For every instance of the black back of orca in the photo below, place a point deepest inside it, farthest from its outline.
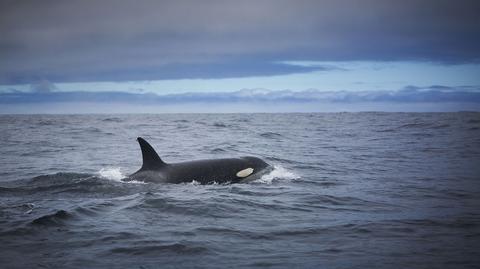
(231, 170)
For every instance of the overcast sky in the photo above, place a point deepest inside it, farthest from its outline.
(174, 47)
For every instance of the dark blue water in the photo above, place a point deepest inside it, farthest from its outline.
(350, 190)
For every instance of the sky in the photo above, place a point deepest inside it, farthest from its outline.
(239, 56)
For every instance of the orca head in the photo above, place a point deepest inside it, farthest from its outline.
(256, 169)
(256, 163)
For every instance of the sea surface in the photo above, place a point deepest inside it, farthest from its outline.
(349, 190)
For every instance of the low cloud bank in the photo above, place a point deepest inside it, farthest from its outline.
(409, 94)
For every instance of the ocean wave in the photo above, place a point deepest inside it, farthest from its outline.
(158, 249)
(217, 150)
(113, 119)
(59, 177)
(271, 135)
(54, 219)
(71, 185)
(220, 124)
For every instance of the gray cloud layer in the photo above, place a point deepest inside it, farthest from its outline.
(410, 94)
(128, 40)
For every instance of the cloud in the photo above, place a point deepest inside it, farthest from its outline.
(43, 86)
(126, 40)
(409, 94)
(179, 71)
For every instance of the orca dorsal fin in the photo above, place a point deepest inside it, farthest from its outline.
(151, 160)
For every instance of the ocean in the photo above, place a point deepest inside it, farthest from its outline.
(349, 190)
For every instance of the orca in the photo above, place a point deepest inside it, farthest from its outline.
(231, 170)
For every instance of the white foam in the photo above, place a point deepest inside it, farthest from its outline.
(112, 173)
(115, 174)
(278, 172)
(196, 183)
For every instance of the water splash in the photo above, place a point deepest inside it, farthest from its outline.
(278, 172)
(112, 173)
(115, 174)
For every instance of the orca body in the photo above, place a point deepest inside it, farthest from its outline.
(231, 170)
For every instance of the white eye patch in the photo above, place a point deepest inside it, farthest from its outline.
(245, 172)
